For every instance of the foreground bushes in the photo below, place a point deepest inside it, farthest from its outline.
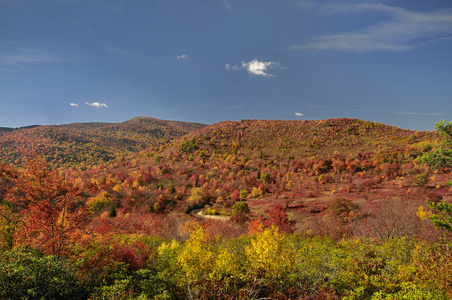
(267, 263)
(28, 274)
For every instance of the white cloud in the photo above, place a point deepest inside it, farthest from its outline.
(229, 67)
(25, 56)
(97, 104)
(183, 56)
(298, 114)
(74, 104)
(403, 30)
(256, 67)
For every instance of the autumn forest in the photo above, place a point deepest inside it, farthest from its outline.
(251, 209)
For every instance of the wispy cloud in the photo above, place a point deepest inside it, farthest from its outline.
(97, 104)
(26, 56)
(235, 68)
(227, 5)
(417, 113)
(74, 104)
(183, 56)
(130, 55)
(256, 67)
(118, 51)
(298, 114)
(405, 29)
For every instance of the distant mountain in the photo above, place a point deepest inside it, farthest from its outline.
(277, 138)
(87, 144)
(10, 129)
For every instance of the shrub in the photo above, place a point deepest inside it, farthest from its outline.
(438, 158)
(97, 203)
(409, 291)
(241, 207)
(421, 179)
(243, 193)
(256, 192)
(265, 177)
(28, 274)
(188, 146)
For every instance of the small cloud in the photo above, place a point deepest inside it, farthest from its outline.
(298, 114)
(183, 56)
(74, 104)
(259, 68)
(227, 5)
(235, 68)
(97, 104)
(256, 67)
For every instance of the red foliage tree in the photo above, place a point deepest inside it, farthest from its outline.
(135, 255)
(235, 195)
(48, 205)
(278, 217)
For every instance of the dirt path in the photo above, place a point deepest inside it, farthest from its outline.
(220, 218)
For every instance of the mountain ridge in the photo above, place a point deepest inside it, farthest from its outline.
(100, 142)
(92, 143)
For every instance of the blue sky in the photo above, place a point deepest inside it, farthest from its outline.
(64, 61)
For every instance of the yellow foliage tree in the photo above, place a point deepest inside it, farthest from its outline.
(213, 259)
(423, 214)
(166, 247)
(270, 252)
(230, 263)
(9, 224)
(95, 204)
(256, 192)
(195, 195)
(197, 258)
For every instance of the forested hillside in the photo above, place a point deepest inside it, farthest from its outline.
(86, 144)
(252, 209)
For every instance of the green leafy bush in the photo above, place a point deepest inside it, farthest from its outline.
(438, 158)
(188, 146)
(444, 218)
(421, 179)
(241, 207)
(28, 274)
(409, 291)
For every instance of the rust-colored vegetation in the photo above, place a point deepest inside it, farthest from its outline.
(148, 209)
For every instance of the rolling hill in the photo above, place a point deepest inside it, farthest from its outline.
(86, 144)
(296, 139)
(266, 162)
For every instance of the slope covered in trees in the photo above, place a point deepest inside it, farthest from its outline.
(304, 210)
(85, 144)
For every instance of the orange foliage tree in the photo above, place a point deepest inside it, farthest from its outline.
(47, 204)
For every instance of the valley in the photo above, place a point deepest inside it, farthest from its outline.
(245, 209)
